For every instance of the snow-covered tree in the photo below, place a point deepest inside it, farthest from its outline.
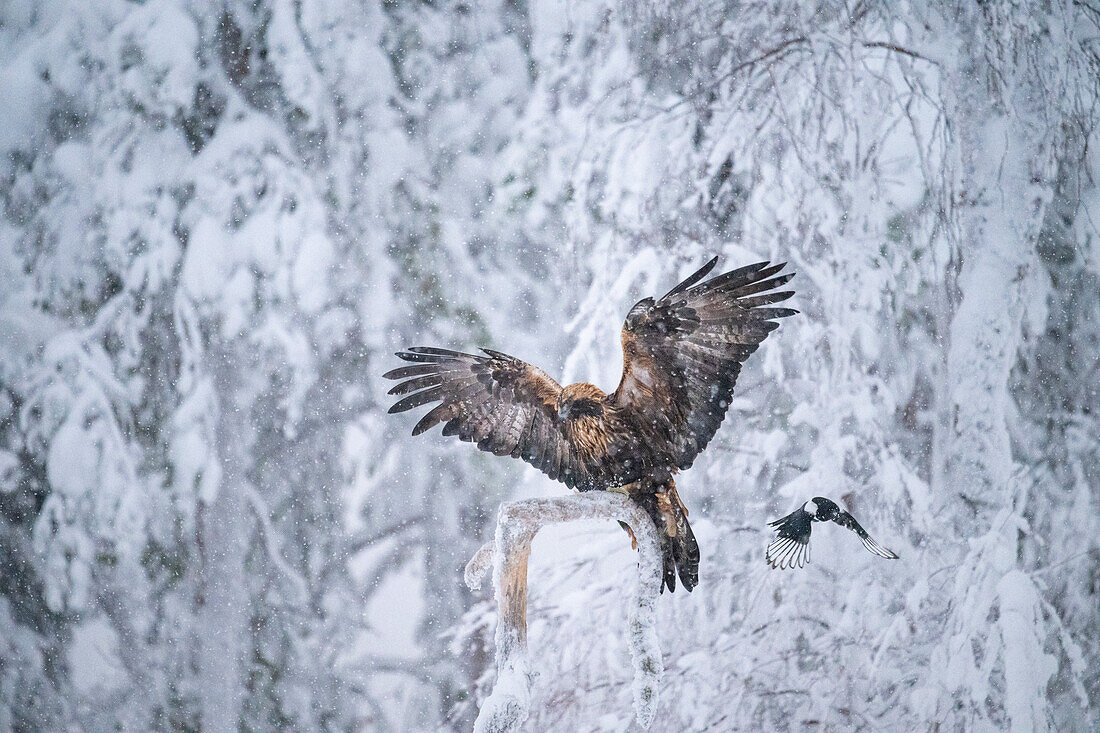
(217, 220)
(909, 161)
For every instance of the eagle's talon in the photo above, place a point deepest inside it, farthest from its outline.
(629, 531)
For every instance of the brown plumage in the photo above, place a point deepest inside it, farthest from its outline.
(681, 357)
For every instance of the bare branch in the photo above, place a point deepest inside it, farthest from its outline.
(363, 542)
(263, 520)
(899, 49)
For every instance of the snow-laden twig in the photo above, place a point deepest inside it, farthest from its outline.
(478, 566)
(263, 518)
(517, 523)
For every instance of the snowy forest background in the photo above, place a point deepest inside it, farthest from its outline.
(219, 220)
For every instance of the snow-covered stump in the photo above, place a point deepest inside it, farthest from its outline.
(517, 524)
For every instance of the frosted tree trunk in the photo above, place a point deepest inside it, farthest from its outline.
(518, 522)
(1003, 185)
(222, 596)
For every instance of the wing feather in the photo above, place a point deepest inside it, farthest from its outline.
(413, 370)
(776, 296)
(436, 415)
(682, 353)
(417, 399)
(412, 385)
(844, 519)
(692, 279)
(504, 405)
(786, 552)
(744, 278)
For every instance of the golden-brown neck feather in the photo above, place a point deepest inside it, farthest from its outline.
(581, 390)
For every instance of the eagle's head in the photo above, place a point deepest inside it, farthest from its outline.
(579, 401)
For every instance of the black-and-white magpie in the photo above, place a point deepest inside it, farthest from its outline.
(791, 545)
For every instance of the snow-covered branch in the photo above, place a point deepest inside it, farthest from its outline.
(517, 523)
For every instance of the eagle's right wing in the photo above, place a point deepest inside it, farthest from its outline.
(504, 405)
(682, 352)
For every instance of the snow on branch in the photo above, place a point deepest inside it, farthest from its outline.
(517, 523)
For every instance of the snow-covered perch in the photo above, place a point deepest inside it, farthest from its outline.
(517, 523)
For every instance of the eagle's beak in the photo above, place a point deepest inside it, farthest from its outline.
(563, 411)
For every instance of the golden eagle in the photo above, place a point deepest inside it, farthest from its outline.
(681, 356)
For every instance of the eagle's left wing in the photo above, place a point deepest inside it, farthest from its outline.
(682, 352)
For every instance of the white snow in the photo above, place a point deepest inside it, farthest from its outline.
(219, 221)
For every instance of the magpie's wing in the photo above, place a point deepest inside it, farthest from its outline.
(791, 545)
(844, 519)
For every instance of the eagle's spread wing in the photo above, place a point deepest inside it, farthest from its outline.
(683, 352)
(844, 519)
(503, 404)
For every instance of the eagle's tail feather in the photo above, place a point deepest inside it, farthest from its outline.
(669, 571)
(679, 550)
(685, 553)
